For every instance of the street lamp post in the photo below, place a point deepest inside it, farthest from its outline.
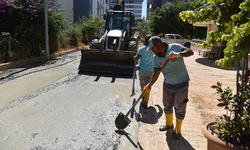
(46, 30)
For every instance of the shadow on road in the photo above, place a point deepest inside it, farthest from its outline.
(180, 143)
(99, 75)
(211, 63)
(13, 72)
(150, 115)
(121, 132)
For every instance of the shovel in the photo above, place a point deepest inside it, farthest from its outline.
(122, 121)
(133, 88)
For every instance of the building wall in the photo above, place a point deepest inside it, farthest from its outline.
(101, 9)
(81, 8)
(66, 4)
(134, 6)
(213, 27)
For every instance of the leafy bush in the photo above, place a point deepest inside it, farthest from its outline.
(234, 127)
(233, 23)
(142, 27)
(88, 27)
(24, 20)
(166, 19)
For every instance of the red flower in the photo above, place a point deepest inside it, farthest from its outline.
(160, 63)
(213, 86)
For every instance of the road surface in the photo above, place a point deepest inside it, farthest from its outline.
(51, 106)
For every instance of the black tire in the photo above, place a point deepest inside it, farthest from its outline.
(94, 44)
(132, 46)
(187, 45)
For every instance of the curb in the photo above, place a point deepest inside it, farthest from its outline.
(19, 63)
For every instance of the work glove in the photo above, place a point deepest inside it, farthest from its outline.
(147, 89)
(174, 54)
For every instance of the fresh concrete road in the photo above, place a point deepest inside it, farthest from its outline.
(54, 107)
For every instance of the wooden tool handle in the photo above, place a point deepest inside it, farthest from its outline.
(150, 84)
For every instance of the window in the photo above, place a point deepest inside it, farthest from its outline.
(131, 2)
(178, 37)
(149, 14)
(131, 7)
(171, 36)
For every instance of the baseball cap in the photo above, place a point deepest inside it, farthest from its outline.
(152, 41)
(148, 36)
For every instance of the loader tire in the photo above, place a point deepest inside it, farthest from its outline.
(132, 46)
(94, 44)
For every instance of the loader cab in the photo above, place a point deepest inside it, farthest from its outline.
(119, 20)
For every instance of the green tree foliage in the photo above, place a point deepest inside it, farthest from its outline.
(228, 16)
(24, 20)
(166, 19)
(232, 19)
(142, 27)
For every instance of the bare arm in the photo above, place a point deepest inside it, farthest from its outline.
(187, 52)
(137, 57)
(153, 75)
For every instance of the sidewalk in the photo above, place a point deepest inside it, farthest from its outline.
(201, 109)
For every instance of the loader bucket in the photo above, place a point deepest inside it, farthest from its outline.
(118, 62)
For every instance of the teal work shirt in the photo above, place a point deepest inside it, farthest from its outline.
(146, 60)
(175, 72)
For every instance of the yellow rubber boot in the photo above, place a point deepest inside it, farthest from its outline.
(169, 122)
(169, 119)
(177, 130)
(144, 101)
(146, 96)
(178, 125)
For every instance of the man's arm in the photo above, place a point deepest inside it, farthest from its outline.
(154, 74)
(137, 57)
(146, 88)
(186, 52)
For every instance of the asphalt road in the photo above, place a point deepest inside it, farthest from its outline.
(51, 106)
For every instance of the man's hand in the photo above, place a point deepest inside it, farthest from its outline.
(173, 55)
(147, 89)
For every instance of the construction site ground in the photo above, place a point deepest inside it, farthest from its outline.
(201, 109)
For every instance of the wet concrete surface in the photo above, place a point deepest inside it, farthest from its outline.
(51, 106)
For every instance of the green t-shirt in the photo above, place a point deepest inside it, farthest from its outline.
(146, 60)
(175, 72)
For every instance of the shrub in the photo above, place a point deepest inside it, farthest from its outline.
(88, 27)
(24, 20)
